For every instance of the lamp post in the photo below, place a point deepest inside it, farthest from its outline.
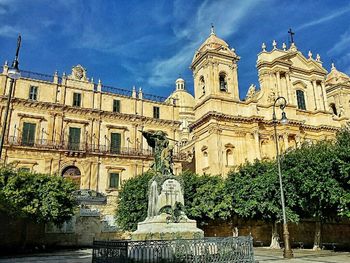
(13, 74)
(287, 253)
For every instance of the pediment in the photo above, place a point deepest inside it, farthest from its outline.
(297, 60)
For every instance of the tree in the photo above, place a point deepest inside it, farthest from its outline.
(313, 167)
(5, 173)
(255, 194)
(40, 198)
(205, 197)
(36, 197)
(342, 166)
(133, 201)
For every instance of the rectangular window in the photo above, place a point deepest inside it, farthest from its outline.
(74, 139)
(156, 112)
(116, 105)
(114, 180)
(33, 93)
(115, 142)
(28, 133)
(301, 100)
(76, 99)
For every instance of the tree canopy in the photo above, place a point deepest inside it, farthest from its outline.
(316, 183)
(133, 201)
(37, 197)
(255, 192)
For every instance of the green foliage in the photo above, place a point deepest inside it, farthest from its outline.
(37, 197)
(314, 171)
(205, 197)
(133, 201)
(255, 192)
(316, 183)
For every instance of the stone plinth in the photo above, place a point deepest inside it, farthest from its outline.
(157, 228)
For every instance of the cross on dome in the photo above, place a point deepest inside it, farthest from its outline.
(212, 30)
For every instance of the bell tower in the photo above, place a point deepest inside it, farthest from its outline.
(214, 67)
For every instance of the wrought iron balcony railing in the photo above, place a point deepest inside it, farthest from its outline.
(76, 147)
(82, 147)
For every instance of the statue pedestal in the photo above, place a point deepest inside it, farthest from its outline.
(157, 228)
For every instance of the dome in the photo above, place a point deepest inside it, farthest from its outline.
(214, 43)
(336, 76)
(180, 80)
(183, 98)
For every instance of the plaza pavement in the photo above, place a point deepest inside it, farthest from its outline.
(262, 255)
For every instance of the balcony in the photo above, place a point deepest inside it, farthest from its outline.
(76, 148)
(81, 149)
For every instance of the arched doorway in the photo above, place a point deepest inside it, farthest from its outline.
(73, 173)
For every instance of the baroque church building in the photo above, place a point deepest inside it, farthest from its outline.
(70, 126)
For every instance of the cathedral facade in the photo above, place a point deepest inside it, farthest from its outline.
(70, 126)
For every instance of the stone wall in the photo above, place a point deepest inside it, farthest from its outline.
(332, 232)
(84, 231)
(88, 228)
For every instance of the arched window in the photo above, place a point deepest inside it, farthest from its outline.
(223, 82)
(333, 108)
(202, 84)
(73, 173)
(229, 157)
(301, 100)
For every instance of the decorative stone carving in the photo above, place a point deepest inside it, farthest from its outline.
(78, 73)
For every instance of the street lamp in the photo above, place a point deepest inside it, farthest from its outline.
(287, 253)
(13, 74)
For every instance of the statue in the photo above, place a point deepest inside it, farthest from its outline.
(163, 152)
(251, 91)
(165, 214)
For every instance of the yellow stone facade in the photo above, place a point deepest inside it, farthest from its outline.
(214, 130)
(53, 114)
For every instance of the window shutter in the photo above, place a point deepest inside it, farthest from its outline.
(28, 133)
(115, 142)
(156, 112)
(116, 105)
(74, 138)
(114, 180)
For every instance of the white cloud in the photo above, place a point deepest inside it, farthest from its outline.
(341, 44)
(323, 19)
(8, 31)
(226, 16)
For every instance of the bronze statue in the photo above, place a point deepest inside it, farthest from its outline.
(163, 152)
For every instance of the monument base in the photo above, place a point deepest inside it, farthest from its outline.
(157, 228)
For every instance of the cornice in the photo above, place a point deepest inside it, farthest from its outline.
(23, 115)
(215, 97)
(223, 117)
(215, 53)
(60, 108)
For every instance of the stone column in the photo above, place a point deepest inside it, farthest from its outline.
(285, 141)
(257, 144)
(271, 82)
(313, 89)
(324, 96)
(292, 94)
(278, 78)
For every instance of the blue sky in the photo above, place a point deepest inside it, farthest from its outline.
(151, 43)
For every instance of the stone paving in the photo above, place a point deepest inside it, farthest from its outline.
(262, 255)
(63, 256)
